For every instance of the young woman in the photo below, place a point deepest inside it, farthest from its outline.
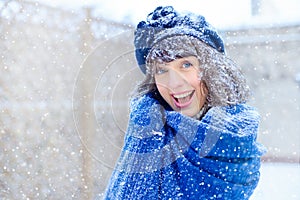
(191, 134)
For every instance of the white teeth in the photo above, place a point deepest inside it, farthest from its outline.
(178, 96)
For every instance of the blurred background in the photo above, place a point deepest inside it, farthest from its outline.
(67, 69)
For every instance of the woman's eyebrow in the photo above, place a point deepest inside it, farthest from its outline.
(160, 66)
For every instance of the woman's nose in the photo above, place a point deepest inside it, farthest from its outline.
(175, 79)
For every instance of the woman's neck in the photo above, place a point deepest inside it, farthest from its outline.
(201, 113)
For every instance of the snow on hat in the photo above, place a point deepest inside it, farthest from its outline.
(165, 22)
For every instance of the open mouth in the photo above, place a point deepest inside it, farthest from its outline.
(184, 99)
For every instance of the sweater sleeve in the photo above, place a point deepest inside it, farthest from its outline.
(137, 172)
(133, 185)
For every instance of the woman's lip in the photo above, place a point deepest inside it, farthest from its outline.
(183, 105)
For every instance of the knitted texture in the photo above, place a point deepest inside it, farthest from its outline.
(165, 22)
(167, 155)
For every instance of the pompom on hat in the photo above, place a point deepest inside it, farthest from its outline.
(165, 22)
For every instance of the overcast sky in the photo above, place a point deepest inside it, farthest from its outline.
(220, 13)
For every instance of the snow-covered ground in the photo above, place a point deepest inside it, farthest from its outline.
(279, 181)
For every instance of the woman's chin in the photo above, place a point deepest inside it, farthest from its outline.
(189, 111)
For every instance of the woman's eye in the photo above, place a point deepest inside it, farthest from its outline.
(160, 70)
(186, 65)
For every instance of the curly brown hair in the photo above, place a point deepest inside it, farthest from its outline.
(224, 79)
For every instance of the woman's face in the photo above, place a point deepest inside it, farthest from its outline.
(179, 84)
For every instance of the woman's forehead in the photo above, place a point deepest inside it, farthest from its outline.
(189, 59)
(168, 55)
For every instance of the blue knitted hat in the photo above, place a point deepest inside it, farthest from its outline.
(165, 22)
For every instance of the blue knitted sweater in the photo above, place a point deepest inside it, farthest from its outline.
(167, 155)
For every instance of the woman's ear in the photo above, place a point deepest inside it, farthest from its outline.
(203, 88)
